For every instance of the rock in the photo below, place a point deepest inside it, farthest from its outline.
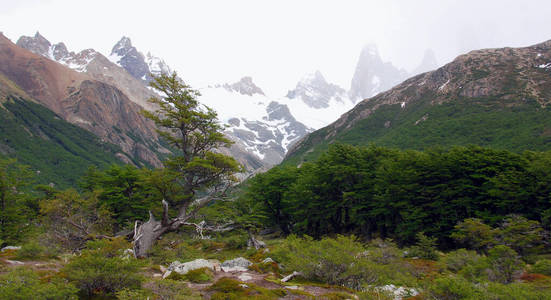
(236, 265)
(11, 248)
(291, 276)
(245, 277)
(183, 268)
(163, 269)
(128, 253)
(244, 286)
(14, 262)
(399, 292)
(292, 287)
(268, 260)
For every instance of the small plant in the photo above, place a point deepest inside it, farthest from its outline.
(22, 283)
(504, 264)
(201, 275)
(30, 250)
(458, 259)
(424, 248)
(542, 267)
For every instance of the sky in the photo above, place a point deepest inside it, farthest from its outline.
(278, 42)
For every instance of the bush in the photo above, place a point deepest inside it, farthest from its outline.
(458, 259)
(199, 275)
(30, 250)
(101, 271)
(425, 247)
(542, 267)
(21, 283)
(452, 287)
(339, 261)
(504, 264)
(169, 289)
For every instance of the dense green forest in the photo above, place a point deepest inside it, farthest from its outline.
(512, 125)
(382, 192)
(60, 151)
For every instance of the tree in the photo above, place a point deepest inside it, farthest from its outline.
(72, 219)
(14, 211)
(196, 168)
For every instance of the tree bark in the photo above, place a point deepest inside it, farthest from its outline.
(147, 233)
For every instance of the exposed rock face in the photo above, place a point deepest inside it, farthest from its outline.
(316, 92)
(135, 63)
(37, 44)
(269, 138)
(245, 86)
(96, 106)
(373, 76)
(128, 57)
(239, 264)
(93, 64)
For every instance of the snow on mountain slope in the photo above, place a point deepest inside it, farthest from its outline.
(268, 126)
(256, 122)
(138, 65)
(58, 52)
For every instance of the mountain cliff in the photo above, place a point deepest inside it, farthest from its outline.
(491, 97)
(80, 99)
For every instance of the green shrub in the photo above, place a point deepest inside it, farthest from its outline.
(458, 259)
(30, 250)
(235, 241)
(101, 271)
(22, 283)
(338, 261)
(229, 289)
(504, 264)
(199, 275)
(424, 248)
(453, 287)
(542, 267)
(515, 291)
(170, 289)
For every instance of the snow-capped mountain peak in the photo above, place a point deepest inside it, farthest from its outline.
(58, 52)
(134, 62)
(245, 86)
(372, 75)
(316, 92)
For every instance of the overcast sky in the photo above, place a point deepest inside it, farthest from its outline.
(277, 42)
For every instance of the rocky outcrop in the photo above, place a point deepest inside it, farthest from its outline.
(184, 268)
(135, 63)
(239, 264)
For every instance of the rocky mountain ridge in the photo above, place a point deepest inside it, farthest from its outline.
(504, 81)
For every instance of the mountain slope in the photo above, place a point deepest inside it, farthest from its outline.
(491, 97)
(79, 99)
(56, 150)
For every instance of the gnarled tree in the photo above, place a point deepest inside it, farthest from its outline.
(197, 169)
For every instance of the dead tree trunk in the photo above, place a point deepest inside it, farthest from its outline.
(147, 233)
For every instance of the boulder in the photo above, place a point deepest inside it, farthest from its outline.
(11, 248)
(398, 292)
(183, 268)
(236, 265)
(268, 260)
